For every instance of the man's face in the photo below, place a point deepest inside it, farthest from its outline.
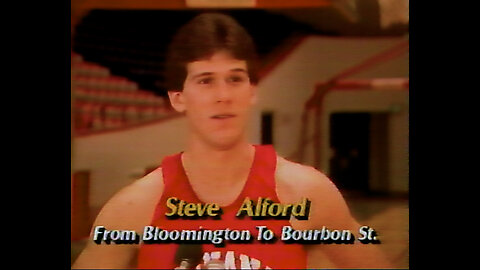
(217, 97)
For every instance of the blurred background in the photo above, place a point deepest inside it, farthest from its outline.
(333, 94)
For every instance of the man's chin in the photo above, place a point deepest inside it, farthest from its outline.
(226, 141)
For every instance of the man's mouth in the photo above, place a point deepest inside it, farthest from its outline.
(223, 116)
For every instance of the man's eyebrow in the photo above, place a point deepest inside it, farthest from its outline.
(202, 74)
(239, 69)
(211, 73)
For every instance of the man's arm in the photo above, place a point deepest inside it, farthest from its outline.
(328, 208)
(130, 209)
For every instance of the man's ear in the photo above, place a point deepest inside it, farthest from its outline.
(177, 100)
(254, 98)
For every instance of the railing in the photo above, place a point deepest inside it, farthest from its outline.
(315, 103)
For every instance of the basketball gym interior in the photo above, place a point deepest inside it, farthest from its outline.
(333, 94)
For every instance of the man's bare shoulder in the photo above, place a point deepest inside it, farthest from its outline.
(328, 207)
(129, 209)
(150, 183)
(294, 179)
(133, 206)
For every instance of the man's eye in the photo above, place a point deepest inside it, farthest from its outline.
(237, 79)
(205, 81)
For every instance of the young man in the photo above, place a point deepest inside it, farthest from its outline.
(211, 67)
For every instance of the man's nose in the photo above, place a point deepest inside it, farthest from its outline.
(223, 92)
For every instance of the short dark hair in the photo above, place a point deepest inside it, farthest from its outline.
(202, 37)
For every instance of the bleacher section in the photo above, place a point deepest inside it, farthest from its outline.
(102, 101)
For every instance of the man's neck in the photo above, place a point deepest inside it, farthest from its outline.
(218, 163)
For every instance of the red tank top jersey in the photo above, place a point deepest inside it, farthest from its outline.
(255, 254)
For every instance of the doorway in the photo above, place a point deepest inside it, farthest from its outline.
(350, 144)
(267, 128)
